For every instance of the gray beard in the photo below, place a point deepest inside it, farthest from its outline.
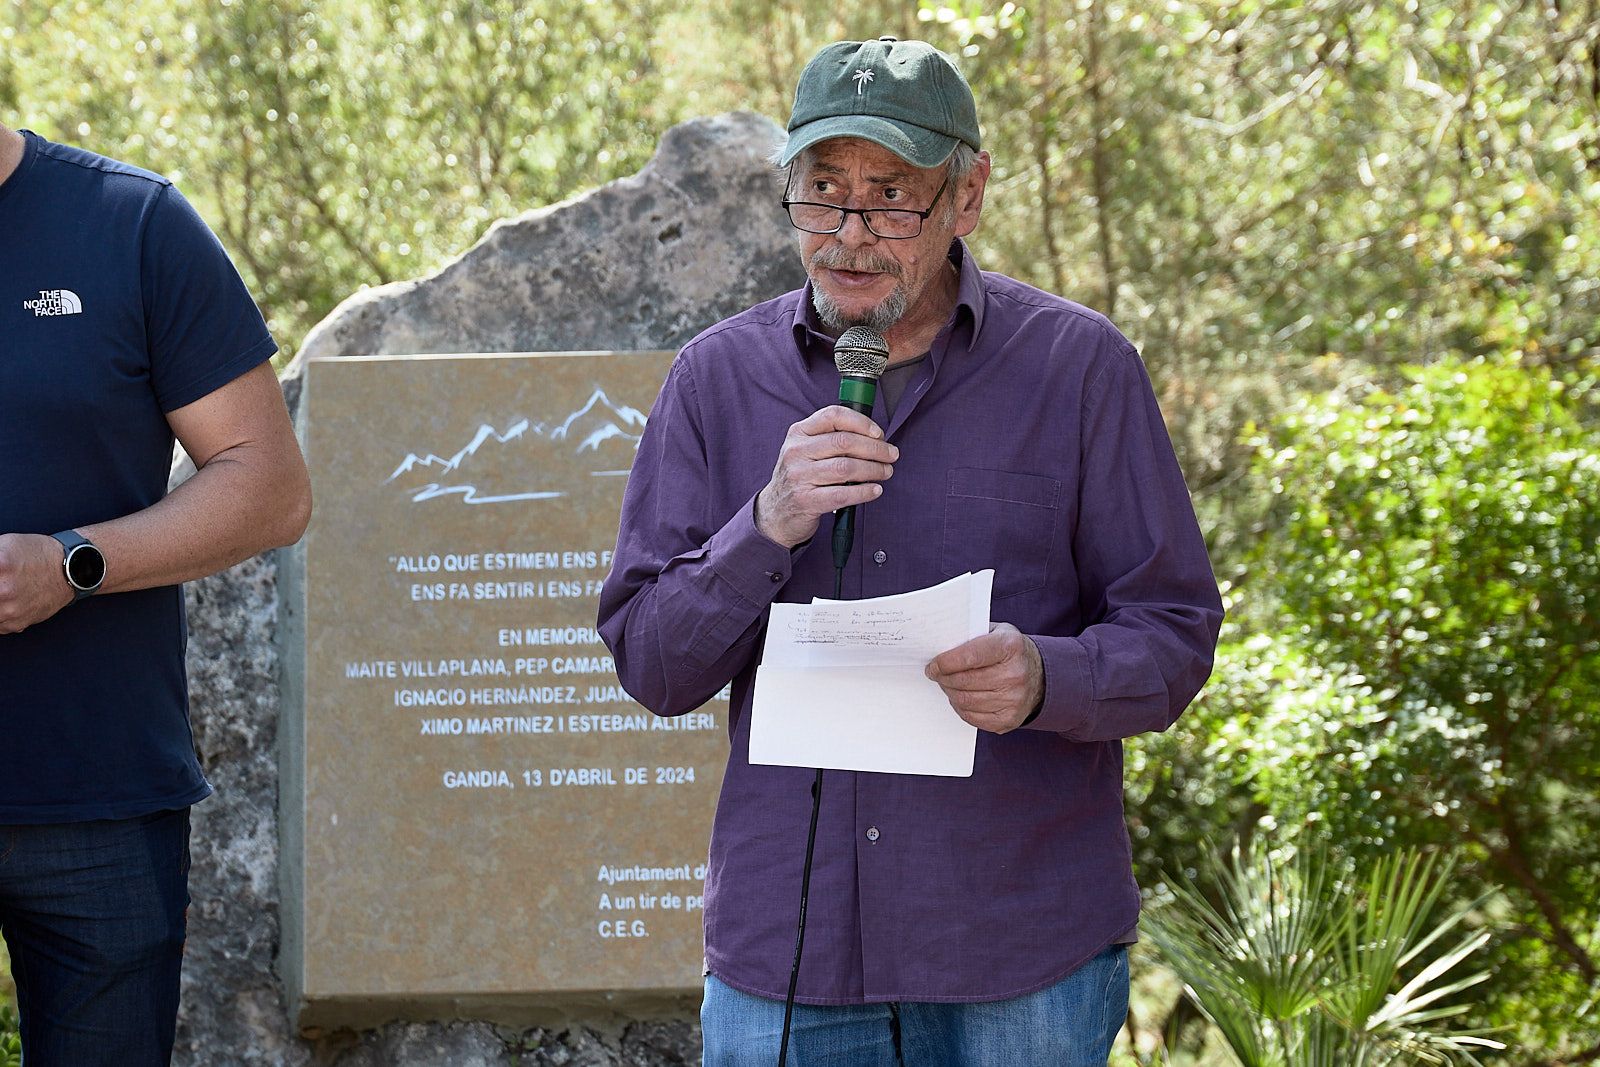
(879, 318)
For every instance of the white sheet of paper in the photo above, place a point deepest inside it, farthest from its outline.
(841, 685)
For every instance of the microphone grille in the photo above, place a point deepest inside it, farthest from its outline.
(861, 351)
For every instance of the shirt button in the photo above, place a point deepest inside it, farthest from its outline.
(872, 833)
(880, 557)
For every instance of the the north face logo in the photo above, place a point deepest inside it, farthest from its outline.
(55, 302)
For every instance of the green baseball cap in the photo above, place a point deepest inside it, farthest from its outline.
(904, 95)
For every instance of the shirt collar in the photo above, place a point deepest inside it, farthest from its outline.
(810, 336)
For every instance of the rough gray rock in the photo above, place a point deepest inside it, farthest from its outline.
(645, 262)
(661, 1044)
(233, 1010)
(434, 1045)
(583, 1048)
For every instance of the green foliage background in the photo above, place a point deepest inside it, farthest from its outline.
(1415, 661)
(1358, 242)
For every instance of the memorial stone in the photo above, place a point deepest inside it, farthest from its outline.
(489, 821)
(699, 228)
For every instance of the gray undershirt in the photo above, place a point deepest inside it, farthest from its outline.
(894, 382)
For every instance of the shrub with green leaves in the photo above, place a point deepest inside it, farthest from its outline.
(10, 1039)
(1419, 662)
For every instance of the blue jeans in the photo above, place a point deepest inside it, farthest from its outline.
(1069, 1024)
(93, 916)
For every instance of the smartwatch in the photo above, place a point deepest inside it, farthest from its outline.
(83, 563)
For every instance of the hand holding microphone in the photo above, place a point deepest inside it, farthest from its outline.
(835, 458)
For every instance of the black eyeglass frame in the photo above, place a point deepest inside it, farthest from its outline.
(866, 214)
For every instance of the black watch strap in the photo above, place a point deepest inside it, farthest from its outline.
(73, 544)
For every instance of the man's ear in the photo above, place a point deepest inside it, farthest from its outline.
(969, 197)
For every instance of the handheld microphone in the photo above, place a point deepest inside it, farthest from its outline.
(861, 354)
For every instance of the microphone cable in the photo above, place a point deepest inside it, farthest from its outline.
(805, 879)
(861, 354)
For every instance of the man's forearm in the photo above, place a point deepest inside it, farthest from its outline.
(682, 636)
(1132, 676)
(246, 499)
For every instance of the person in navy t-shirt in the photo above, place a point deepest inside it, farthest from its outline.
(123, 327)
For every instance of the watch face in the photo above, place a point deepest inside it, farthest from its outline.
(86, 567)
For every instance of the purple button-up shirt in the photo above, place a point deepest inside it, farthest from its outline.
(1030, 442)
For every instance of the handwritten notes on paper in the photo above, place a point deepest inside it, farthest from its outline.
(841, 685)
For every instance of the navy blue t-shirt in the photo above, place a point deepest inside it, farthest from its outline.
(117, 305)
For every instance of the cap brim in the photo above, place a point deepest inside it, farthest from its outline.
(918, 146)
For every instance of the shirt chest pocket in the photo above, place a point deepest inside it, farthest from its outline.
(1004, 520)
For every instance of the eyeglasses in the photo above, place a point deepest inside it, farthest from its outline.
(892, 223)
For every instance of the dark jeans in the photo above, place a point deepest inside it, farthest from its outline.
(93, 916)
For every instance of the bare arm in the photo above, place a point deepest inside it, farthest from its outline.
(251, 492)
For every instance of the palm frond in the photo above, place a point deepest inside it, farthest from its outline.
(1296, 967)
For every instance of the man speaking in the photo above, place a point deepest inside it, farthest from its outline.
(950, 920)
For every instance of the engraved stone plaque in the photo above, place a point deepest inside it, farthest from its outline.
(486, 820)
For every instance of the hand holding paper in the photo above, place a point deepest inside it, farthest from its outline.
(842, 683)
(995, 681)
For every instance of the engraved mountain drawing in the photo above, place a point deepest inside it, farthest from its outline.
(505, 465)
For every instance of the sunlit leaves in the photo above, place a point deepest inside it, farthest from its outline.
(1420, 661)
(342, 143)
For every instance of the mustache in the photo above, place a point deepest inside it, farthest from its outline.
(837, 258)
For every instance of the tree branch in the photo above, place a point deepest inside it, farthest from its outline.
(1514, 862)
(1098, 164)
(1041, 152)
